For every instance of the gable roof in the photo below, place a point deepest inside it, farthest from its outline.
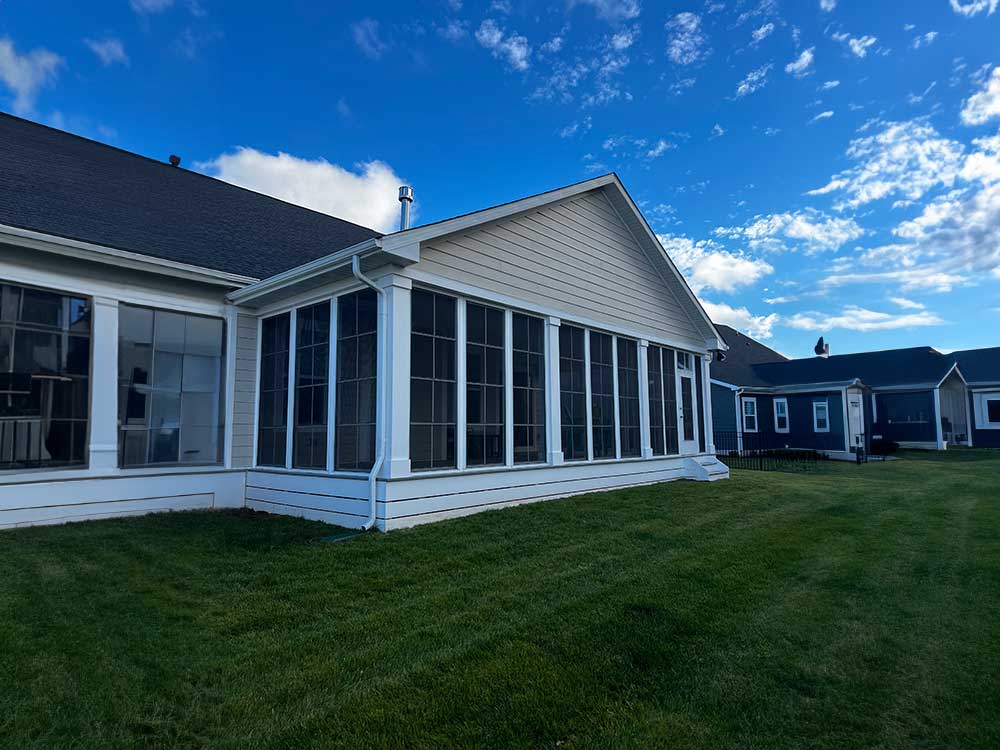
(979, 365)
(60, 184)
(741, 357)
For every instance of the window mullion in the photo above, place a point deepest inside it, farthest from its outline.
(331, 388)
(589, 403)
(461, 413)
(508, 386)
(290, 414)
(663, 397)
(617, 409)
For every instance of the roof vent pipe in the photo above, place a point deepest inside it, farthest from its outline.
(405, 199)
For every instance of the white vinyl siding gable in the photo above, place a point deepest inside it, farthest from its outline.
(576, 258)
(244, 402)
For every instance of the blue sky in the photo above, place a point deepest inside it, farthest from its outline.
(814, 167)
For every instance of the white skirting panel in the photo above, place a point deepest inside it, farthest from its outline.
(336, 500)
(31, 503)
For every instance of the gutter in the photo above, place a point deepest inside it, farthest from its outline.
(381, 403)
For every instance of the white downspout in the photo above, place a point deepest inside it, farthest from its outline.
(383, 335)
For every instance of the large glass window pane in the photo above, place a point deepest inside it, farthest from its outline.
(170, 387)
(272, 420)
(432, 375)
(44, 378)
(628, 397)
(357, 344)
(312, 365)
(573, 392)
(529, 388)
(602, 394)
(485, 442)
(662, 401)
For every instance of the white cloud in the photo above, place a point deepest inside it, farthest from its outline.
(802, 65)
(367, 36)
(707, 265)
(686, 42)
(984, 105)
(109, 50)
(25, 74)
(912, 279)
(755, 80)
(150, 6)
(367, 196)
(813, 230)
(827, 5)
(905, 158)
(855, 318)
(822, 116)
(762, 33)
(924, 39)
(612, 10)
(974, 7)
(740, 318)
(577, 126)
(907, 304)
(659, 149)
(454, 30)
(718, 131)
(830, 85)
(512, 48)
(858, 45)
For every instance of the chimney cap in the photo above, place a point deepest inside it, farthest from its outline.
(405, 193)
(175, 160)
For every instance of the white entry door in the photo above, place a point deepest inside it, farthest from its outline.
(687, 413)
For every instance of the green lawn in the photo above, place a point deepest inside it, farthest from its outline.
(854, 607)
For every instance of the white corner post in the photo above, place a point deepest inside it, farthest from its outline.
(644, 429)
(706, 378)
(397, 370)
(230, 395)
(103, 444)
(553, 401)
(939, 431)
(461, 381)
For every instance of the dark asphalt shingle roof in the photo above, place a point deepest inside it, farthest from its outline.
(61, 184)
(979, 365)
(744, 352)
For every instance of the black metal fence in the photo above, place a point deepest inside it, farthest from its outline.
(771, 452)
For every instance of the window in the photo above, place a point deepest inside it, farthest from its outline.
(432, 381)
(44, 378)
(529, 388)
(485, 437)
(821, 416)
(357, 384)
(683, 361)
(573, 392)
(749, 415)
(170, 399)
(628, 397)
(312, 382)
(662, 401)
(272, 420)
(781, 415)
(602, 394)
(687, 401)
(993, 410)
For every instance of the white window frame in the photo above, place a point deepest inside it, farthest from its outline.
(981, 402)
(788, 423)
(826, 408)
(743, 414)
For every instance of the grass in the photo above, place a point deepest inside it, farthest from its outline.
(853, 607)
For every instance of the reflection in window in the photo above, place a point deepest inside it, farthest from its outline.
(170, 402)
(484, 399)
(272, 431)
(573, 392)
(602, 394)
(312, 377)
(662, 401)
(628, 397)
(44, 378)
(432, 381)
(529, 389)
(357, 387)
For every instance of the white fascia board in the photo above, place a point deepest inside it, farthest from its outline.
(724, 384)
(303, 272)
(954, 368)
(803, 387)
(49, 243)
(905, 388)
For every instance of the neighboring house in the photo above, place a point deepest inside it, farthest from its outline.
(170, 341)
(981, 368)
(916, 397)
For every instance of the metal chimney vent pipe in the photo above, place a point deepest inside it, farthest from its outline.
(405, 199)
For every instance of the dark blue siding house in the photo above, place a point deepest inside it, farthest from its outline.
(917, 397)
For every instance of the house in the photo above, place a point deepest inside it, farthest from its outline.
(171, 341)
(981, 369)
(916, 397)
